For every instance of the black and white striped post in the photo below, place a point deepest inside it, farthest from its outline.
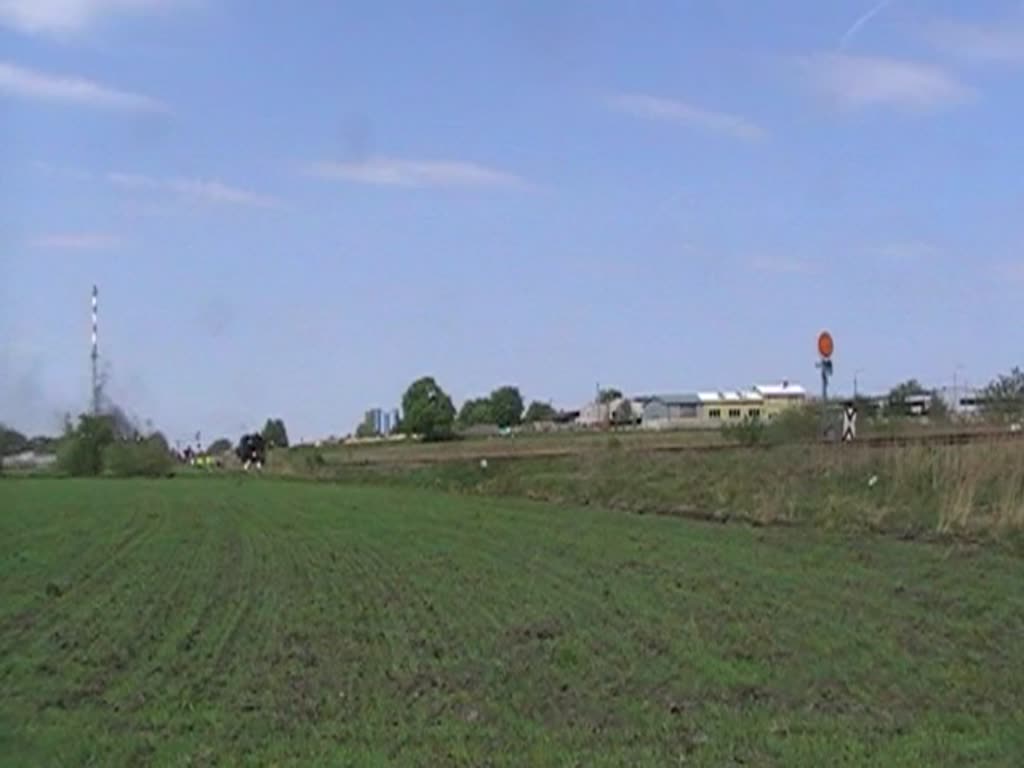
(95, 351)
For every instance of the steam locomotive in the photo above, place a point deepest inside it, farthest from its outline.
(252, 451)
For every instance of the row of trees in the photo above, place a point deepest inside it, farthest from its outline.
(428, 410)
(504, 408)
(12, 442)
(1001, 400)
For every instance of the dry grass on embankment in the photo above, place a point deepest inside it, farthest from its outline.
(970, 491)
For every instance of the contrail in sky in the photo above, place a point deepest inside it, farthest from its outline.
(859, 24)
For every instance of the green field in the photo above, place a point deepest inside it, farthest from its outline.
(223, 621)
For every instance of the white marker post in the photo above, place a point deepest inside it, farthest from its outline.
(850, 423)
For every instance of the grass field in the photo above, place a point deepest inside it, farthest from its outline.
(223, 621)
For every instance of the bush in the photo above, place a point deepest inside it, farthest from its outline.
(81, 451)
(149, 457)
(220, 446)
(315, 461)
(795, 425)
(750, 431)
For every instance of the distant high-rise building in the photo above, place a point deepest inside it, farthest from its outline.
(378, 421)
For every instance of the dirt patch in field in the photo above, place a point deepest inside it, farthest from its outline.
(547, 628)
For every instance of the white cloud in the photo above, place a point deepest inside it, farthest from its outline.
(914, 250)
(77, 241)
(860, 82)
(999, 43)
(30, 84)
(201, 190)
(215, 191)
(669, 110)
(390, 171)
(62, 17)
(132, 181)
(783, 265)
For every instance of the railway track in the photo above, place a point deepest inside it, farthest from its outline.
(502, 452)
(963, 437)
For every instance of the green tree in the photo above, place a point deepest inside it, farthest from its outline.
(476, 411)
(507, 406)
(427, 410)
(539, 411)
(12, 441)
(605, 396)
(219, 446)
(1003, 398)
(275, 434)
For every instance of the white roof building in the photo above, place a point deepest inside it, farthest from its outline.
(783, 390)
(730, 396)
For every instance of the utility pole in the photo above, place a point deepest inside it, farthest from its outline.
(826, 346)
(956, 388)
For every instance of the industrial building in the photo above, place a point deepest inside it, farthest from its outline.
(730, 406)
(670, 411)
(619, 412)
(711, 410)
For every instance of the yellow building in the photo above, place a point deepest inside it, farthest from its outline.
(729, 407)
(762, 402)
(777, 398)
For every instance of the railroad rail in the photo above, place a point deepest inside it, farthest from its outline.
(501, 451)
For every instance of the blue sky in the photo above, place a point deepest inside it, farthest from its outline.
(296, 209)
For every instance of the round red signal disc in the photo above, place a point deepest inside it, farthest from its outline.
(826, 346)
